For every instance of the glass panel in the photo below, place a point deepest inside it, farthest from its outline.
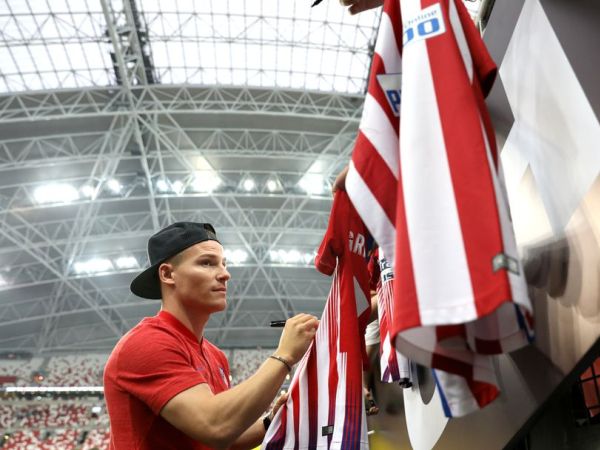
(260, 43)
(53, 45)
(274, 43)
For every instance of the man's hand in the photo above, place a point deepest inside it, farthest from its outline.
(296, 337)
(278, 404)
(358, 6)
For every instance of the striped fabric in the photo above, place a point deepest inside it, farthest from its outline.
(325, 407)
(430, 190)
(395, 367)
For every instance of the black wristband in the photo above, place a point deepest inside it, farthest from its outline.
(280, 359)
(266, 422)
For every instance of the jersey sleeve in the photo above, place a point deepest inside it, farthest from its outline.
(154, 368)
(332, 245)
(484, 65)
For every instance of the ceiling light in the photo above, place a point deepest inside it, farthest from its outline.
(236, 256)
(249, 184)
(114, 186)
(271, 185)
(162, 185)
(88, 191)
(55, 193)
(94, 265)
(126, 262)
(292, 256)
(312, 183)
(178, 187)
(316, 167)
(205, 181)
(308, 258)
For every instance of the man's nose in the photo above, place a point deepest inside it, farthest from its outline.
(224, 275)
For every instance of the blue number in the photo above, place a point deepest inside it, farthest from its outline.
(435, 26)
(408, 35)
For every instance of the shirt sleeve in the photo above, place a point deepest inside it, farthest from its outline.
(484, 65)
(332, 246)
(154, 368)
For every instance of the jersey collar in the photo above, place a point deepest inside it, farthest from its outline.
(175, 323)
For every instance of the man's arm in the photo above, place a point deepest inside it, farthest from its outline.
(218, 420)
(254, 435)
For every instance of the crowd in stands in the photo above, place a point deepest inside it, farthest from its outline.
(86, 370)
(72, 370)
(244, 362)
(75, 370)
(51, 415)
(77, 425)
(21, 369)
(63, 439)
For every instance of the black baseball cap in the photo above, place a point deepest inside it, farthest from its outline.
(165, 244)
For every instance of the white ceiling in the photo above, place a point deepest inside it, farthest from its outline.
(117, 119)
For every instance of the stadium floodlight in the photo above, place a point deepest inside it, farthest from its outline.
(205, 181)
(114, 186)
(312, 183)
(236, 256)
(162, 185)
(126, 262)
(94, 265)
(55, 193)
(88, 191)
(178, 187)
(291, 256)
(271, 185)
(249, 184)
(308, 258)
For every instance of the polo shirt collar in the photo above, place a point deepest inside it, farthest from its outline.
(180, 327)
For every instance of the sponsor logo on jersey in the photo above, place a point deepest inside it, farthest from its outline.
(427, 24)
(391, 85)
(503, 261)
(327, 430)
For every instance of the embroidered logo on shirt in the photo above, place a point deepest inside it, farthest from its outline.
(199, 368)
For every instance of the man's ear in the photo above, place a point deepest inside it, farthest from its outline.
(165, 273)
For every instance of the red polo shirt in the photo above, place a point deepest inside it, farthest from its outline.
(156, 360)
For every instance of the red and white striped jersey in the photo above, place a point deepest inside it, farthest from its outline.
(430, 189)
(325, 408)
(395, 367)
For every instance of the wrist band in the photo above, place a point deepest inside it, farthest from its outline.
(279, 358)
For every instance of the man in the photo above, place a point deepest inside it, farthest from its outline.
(166, 386)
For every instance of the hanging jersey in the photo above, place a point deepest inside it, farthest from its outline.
(395, 367)
(325, 407)
(435, 203)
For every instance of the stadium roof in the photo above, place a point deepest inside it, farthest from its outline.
(120, 117)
